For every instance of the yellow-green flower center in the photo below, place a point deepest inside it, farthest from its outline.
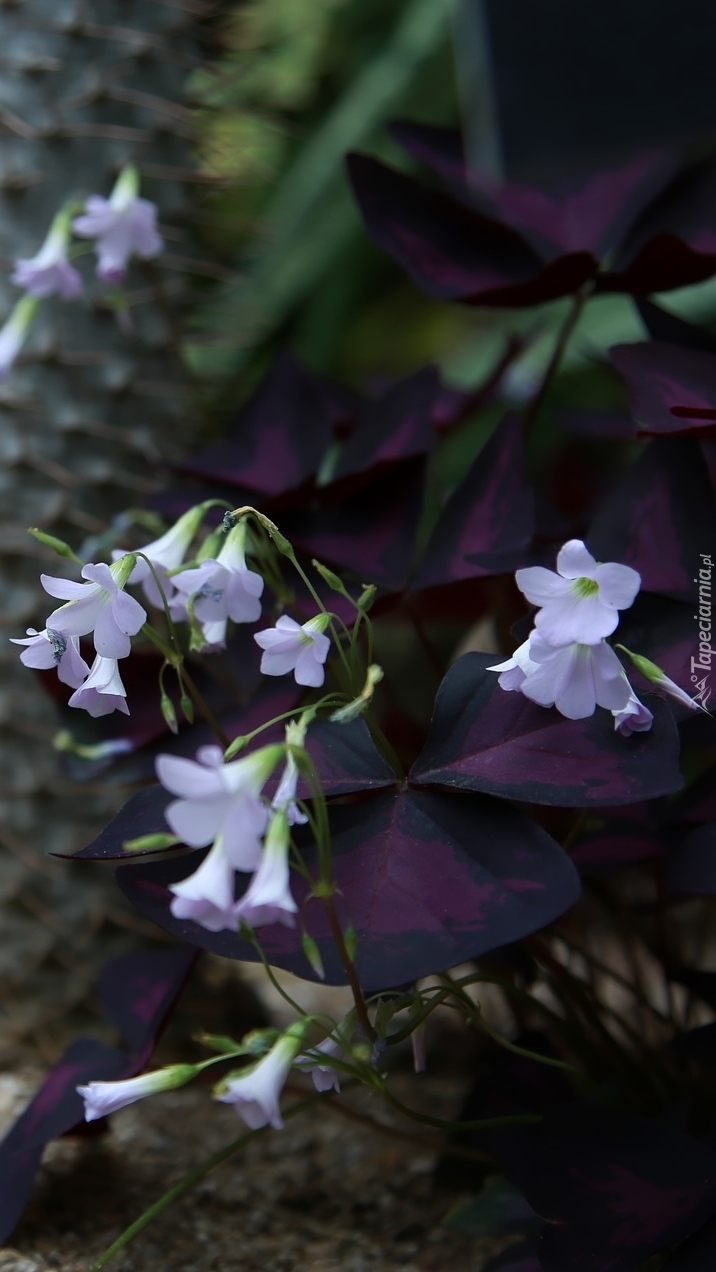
(585, 587)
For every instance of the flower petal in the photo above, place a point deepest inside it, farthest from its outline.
(575, 561)
(541, 586)
(618, 585)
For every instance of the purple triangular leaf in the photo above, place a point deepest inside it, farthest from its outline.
(452, 252)
(137, 991)
(395, 426)
(590, 213)
(373, 534)
(619, 840)
(659, 517)
(662, 378)
(614, 1188)
(56, 1109)
(483, 738)
(674, 243)
(606, 425)
(692, 866)
(428, 881)
(277, 440)
(488, 520)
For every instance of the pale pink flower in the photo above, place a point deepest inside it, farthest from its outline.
(290, 646)
(123, 225)
(220, 799)
(223, 589)
(49, 272)
(207, 896)
(324, 1076)
(103, 1098)
(581, 602)
(165, 553)
(100, 606)
(255, 1093)
(633, 718)
(575, 678)
(268, 897)
(48, 649)
(102, 691)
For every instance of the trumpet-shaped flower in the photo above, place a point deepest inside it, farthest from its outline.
(48, 649)
(49, 271)
(103, 1098)
(123, 225)
(573, 678)
(220, 799)
(165, 553)
(255, 1093)
(268, 897)
(207, 896)
(99, 605)
(324, 1076)
(580, 603)
(633, 718)
(223, 589)
(102, 691)
(290, 646)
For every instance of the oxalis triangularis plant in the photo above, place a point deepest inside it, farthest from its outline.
(304, 824)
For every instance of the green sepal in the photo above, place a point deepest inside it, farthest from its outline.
(58, 545)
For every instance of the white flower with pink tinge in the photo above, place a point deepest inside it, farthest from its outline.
(207, 896)
(48, 649)
(220, 799)
(255, 1094)
(223, 588)
(580, 603)
(574, 678)
(100, 606)
(123, 225)
(165, 553)
(102, 691)
(324, 1076)
(49, 272)
(268, 897)
(103, 1098)
(300, 648)
(633, 718)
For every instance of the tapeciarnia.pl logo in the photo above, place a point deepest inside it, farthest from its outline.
(702, 664)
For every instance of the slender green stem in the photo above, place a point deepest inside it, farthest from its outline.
(356, 988)
(193, 1177)
(484, 1124)
(535, 406)
(205, 709)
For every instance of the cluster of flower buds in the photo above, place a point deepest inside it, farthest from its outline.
(566, 661)
(206, 592)
(122, 226)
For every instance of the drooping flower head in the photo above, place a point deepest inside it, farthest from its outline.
(633, 718)
(122, 225)
(166, 553)
(268, 897)
(581, 602)
(223, 588)
(324, 1076)
(573, 678)
(100, 605)
(49, 272)
(300, 648)
(207, 896)
(220, 799)
(102, 691)
(255, 1092)
(48, 649)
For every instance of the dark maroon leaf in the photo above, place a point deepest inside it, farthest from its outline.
(429, 881)
(614, 1188)
(372, 534)
(395, 426)
(698, 1254)
(590, 213)
(697, 804)
(616, 841)
(138, 990)
(663, 378)
(483, 738)
(607, 425)
(451, 251)
(521, 1257)
(659, 517)
(674, 243)
(667, 327)
(692, 866)
(346, 762)
(278, 438)
(488, 520)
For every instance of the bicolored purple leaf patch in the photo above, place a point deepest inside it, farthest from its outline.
(671, 389)
(427, 881)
